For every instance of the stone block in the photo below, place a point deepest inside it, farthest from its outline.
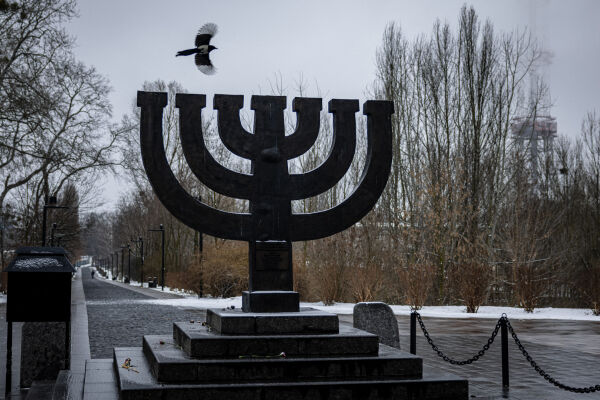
(379, 319)
(237, 322)
(270, 301)
(201, 342)
(42, 351)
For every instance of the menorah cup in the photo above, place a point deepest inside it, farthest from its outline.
(270, 227)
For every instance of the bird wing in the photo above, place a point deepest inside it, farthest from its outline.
(204, 65)
(205, 33)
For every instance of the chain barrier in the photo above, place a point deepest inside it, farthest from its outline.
(544, 374)
(534, 365)
(440, 353)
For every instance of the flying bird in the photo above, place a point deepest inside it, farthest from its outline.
(202, 49)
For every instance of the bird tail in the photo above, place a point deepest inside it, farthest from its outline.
(186, 52)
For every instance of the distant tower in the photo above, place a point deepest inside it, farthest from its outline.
(529, 131)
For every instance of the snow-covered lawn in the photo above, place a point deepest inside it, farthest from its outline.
(575, 314)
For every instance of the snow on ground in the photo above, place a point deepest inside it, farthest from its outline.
(575, 314)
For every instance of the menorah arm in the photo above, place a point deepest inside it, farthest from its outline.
(308, 116)
(201, 162)
(235, 138)
(339, 158)
(184, 207)
(372, 183)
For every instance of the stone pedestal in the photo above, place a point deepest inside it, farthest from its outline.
(303, 355)
(42, 351)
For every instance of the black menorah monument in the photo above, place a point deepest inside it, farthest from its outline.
(272, 348)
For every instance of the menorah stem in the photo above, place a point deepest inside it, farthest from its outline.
(271, 282)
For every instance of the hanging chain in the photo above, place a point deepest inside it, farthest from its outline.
(450, 360)
(544, 374)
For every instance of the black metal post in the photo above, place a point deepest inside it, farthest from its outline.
(122, 263)
(141, 240)
(44, 221)
(52, 234)
(128, 264)
(162, 231)
(413, 332)
(504, 343)
(49, 202)
(8, 360)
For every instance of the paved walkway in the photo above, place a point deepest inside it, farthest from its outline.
(119, 315)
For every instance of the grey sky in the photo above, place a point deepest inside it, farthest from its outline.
(331, 43)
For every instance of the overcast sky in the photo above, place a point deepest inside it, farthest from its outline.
(331, 44)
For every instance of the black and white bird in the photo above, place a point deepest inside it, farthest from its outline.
(203, 48)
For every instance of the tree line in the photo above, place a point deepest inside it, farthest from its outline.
(467, 216)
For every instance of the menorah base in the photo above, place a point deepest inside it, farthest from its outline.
(270, 301)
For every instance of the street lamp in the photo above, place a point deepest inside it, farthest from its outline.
(161, 229)
(49, 202)
(123, 263)
(139, 244)
(128, 280)
(52, 234)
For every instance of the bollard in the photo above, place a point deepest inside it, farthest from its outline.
(413, 332)
(504, 345)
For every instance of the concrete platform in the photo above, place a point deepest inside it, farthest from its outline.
(202, 342)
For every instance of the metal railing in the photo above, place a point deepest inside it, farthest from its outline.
(504, 327)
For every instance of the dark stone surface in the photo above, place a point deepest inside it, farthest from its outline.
(100, 380)
(201, 342)
(42, 351)
(237, 322)
(143, 385)
(270, 301)
(169, 363)
(377, 318)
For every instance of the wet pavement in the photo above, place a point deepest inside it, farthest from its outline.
(120, 317)
(568, 350)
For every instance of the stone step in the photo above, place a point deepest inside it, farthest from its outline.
(169, 363)
(306, 321)
(203, 342)
(141, 384)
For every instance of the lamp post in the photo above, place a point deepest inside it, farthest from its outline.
(52, 234)
(128, 280)
(116, 263)
(139, 244)
(161, 229)
(123, 247)
(49, 202)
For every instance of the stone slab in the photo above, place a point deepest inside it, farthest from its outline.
(170, 364)
(237, 322)
(199, 341)
(42, 351)
(377, 318)
(143, 385)
(100, 380)
(270, 301)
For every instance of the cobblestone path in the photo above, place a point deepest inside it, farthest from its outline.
(119, 317)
